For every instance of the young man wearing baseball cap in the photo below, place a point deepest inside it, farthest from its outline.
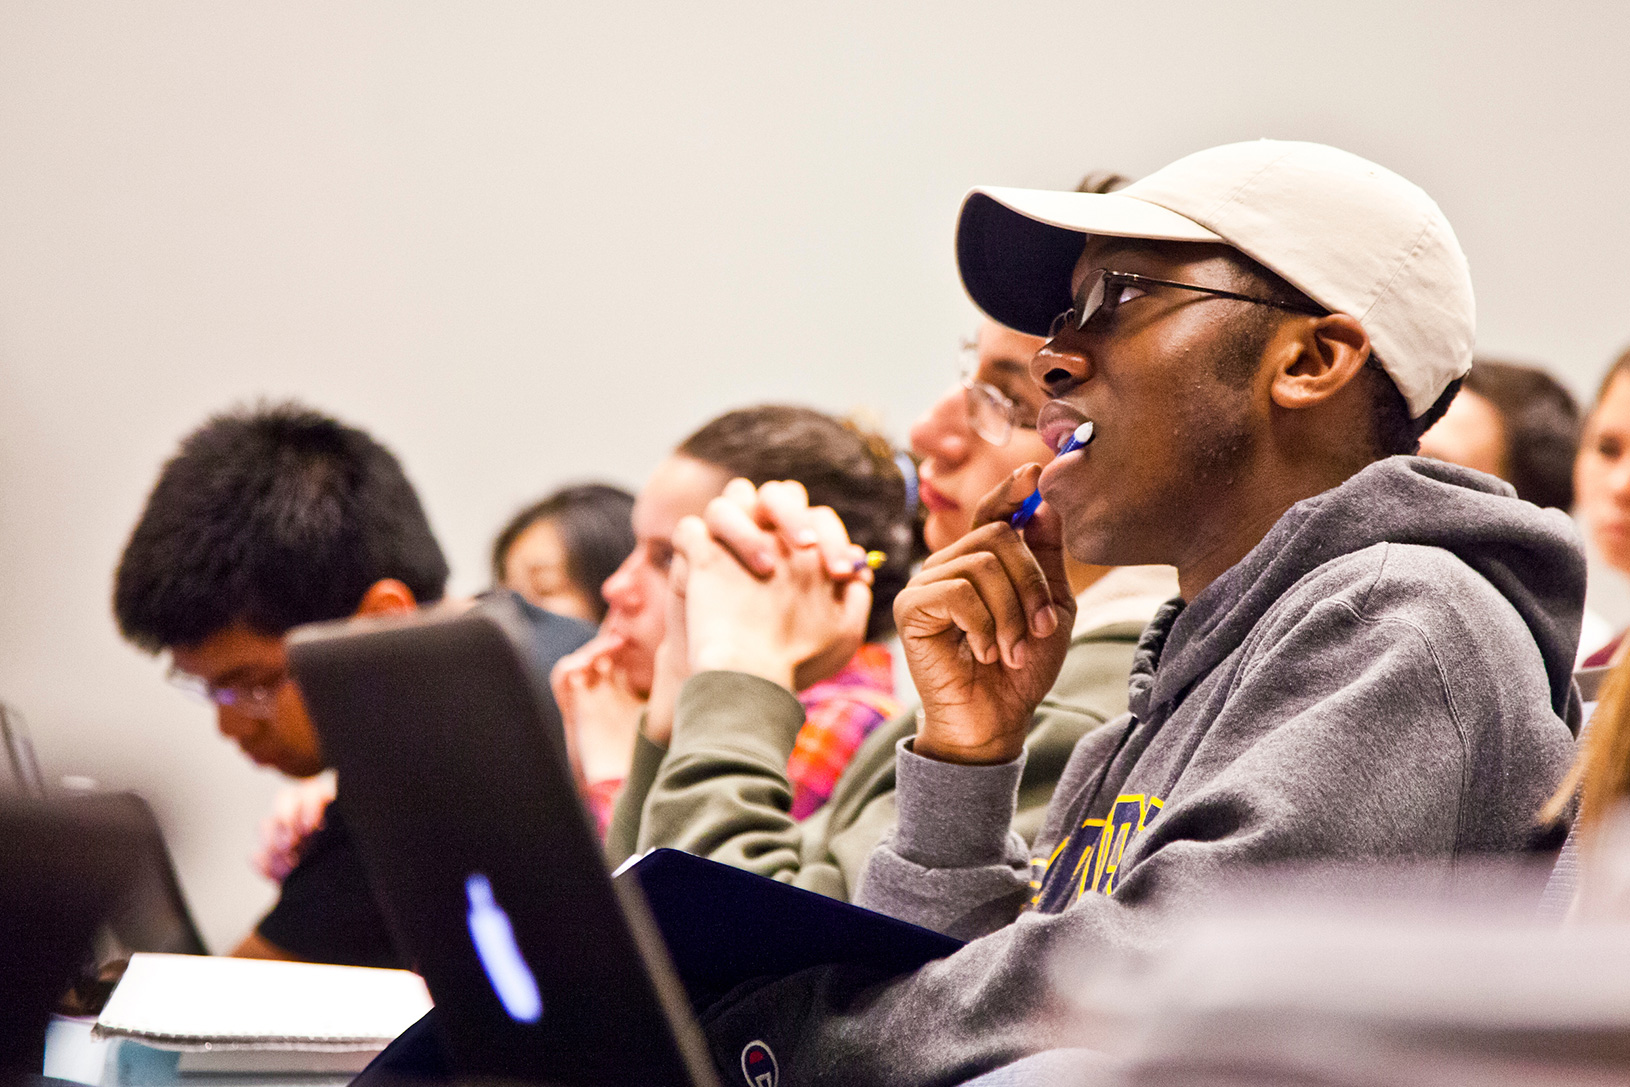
(1370, 656)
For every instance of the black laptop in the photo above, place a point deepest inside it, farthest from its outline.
(458, 792)
(63, 869)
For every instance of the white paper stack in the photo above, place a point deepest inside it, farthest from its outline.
(256, 1015)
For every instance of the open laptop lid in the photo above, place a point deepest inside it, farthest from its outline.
(457, 789)
(63, 868)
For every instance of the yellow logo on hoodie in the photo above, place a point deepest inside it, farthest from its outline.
(1093, 853)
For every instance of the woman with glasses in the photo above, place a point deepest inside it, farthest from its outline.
(978, 432)
(720, 804)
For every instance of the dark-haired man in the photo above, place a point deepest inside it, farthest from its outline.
(1370, 656)
(264, 520)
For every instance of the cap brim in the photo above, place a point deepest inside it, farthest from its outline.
(1016, 248)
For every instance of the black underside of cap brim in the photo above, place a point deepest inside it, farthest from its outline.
(1015, 269)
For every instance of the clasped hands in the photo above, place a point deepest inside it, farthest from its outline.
(765, 584)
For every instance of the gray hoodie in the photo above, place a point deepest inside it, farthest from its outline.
(1385, 676)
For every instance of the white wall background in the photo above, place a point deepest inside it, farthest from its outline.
(529, 242)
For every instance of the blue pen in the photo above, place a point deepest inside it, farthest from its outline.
(1081, 437)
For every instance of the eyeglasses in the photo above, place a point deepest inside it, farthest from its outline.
(992, 414)
(1102, 294)
(257, 701)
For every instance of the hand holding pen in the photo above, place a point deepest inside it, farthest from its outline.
(1082, 436)
(985, 626)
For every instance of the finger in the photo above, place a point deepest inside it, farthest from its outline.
(742, 493)
(1029, 579)
(568, 685)
(1044, 536)
(784, 506)
(567, 673)
(693, 546)
(679, 579)
(989, 576)
(931, 610)
(618, 678)
(1007, 496)
(1041, 581)
(603, 644)
(841, 557)
(584, 656)
(282, 805)
(734, 528)
(857, 606)
(308, 814)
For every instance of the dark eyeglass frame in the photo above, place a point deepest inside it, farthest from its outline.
(1096, 297)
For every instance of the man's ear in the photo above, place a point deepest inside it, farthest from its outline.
(387, 596)
(1321, 360)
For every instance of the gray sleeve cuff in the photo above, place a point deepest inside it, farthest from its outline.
(952, 815)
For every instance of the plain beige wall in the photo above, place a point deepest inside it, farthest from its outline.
(526, 242)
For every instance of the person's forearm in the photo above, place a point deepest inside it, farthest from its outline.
(722, 791)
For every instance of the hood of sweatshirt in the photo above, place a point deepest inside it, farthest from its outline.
(1532, 556)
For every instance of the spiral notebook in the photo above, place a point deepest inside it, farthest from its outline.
(202, 1004)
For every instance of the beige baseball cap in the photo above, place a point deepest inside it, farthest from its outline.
(1353, 236)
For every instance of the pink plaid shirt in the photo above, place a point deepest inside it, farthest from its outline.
(839, 713)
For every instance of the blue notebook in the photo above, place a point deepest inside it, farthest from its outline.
(724, 926)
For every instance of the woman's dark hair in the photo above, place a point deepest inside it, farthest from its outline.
(1102, 181)
(596, 531)
(839, 464)
(1542, 422)
(271, 516)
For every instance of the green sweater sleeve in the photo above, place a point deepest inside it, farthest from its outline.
(722, 790)
(623, 833)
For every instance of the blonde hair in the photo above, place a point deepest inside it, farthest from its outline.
(1601, 774)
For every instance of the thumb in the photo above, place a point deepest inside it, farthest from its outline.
(1006, 497)
(692, 541)
(857, 606)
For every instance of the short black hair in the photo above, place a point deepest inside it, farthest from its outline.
(840, 465)
(1542, 422)
(596, 527)
(1396, 434)
(270, 516)
(1393, 431)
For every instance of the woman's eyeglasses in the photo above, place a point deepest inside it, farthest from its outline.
(992, 414)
